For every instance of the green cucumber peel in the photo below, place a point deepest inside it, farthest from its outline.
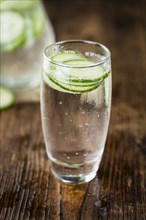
(6, 98)
(73, 88)
(13, 33)
(20, 5)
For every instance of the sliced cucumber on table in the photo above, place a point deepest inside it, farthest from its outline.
(6, 98)
(13, 33)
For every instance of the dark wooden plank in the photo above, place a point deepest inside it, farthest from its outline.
(28, 190)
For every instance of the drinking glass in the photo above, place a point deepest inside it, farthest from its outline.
(24, 36)
(75, 107)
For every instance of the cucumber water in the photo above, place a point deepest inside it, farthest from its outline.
(23, 37)
(75, 106)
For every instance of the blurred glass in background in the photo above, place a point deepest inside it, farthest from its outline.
(24, 34)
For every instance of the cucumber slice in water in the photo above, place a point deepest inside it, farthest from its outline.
(12, 30)
(68, 56)
(17, 4)
(50, 83)
(74, 88)
(6, 98)
(74, 83)
(75, 80)
(79, 62)
(87, 74)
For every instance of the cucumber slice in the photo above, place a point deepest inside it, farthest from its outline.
(62, 87)
(73, 59)
(6, 98)
(79, 62)
(76, 83)
(81, 75)
(12, 30)
(74, 80)
(17, 4)
(38, 20)
(86, 74)
(67, 56)
(50, 83)
(74, 88)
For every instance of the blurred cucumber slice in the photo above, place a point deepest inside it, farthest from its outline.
(6, 98)
(17, 4)
(38, 20)
(12, 30)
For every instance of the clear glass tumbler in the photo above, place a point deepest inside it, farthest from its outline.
(75, 107)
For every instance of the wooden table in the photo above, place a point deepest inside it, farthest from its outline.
(28, 190)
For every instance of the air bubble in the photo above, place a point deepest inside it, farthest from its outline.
(60, 103)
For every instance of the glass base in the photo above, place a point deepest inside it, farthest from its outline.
(75, 174)
(73, 179)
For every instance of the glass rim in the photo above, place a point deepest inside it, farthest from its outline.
(77, 41)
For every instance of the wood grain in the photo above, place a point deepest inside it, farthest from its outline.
(28, 190)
